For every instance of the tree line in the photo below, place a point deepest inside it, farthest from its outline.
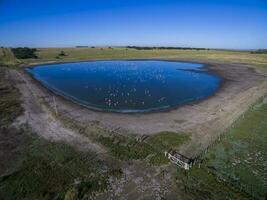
(259, 51)
(169, 48)
(24, 52)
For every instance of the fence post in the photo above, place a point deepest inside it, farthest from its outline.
(55, 105)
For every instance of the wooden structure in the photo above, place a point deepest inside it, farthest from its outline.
(179, 159)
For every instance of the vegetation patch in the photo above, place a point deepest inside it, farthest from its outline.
(237, 164)
(166, 140)
(62, 53)
(53, 171)
(200, 184)
(241, 157)
(158, 159)
(125, 148)
(7, 57)
(259, 51)
(152, 148)
(9, 100)
(24, 52)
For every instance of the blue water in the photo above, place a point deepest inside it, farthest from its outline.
(128, 86)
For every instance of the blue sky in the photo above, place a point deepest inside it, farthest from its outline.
(196, 23)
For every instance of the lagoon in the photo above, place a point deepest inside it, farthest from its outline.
(128, 86)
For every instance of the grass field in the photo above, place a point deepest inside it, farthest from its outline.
(81, 54)
(53, 171)
(9, 100)
(239, 160)
(151, 148)
(7, 57)
(78, 54)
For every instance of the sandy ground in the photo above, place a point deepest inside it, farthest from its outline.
(204, 120)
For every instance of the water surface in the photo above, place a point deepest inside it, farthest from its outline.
(128, 86)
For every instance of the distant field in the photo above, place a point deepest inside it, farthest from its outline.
(76, 54)
(82, 54)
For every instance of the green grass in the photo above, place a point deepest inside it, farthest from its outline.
(238, 161)
(124, 148)
(153, 147)
(7, 57)
(162, 142)
(242, 154)
(52, 171)
(166, 140)
(9, 100)
(199, 184)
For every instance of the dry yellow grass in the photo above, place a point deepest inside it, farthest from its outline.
(81, 54)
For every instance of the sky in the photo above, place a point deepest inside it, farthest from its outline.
(231, 24)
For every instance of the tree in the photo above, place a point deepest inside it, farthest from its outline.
(62, 53)
(24, 52)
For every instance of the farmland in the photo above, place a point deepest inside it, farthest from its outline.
(80, 54)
